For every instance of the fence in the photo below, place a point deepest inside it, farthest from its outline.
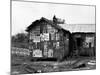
(20, 51)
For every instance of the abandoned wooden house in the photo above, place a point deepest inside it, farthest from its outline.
(49, 40)
(84, 37)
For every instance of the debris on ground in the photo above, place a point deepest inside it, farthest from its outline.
(19, 66)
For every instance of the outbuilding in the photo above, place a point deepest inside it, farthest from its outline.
(84, 36)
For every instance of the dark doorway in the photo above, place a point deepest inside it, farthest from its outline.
(79, 42)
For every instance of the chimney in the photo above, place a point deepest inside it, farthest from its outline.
(54, 19)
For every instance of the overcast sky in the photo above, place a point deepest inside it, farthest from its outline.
(24, 13)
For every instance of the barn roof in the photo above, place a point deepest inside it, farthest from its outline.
(79, 27)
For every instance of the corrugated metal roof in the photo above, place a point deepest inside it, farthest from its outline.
(79, 27)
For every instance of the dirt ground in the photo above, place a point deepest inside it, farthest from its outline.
(22, 65)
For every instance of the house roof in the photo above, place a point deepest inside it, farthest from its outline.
(66, 27)
(43, 19)
(79, 27)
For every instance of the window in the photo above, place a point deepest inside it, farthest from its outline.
(89, 42)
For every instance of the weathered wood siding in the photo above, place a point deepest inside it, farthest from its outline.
(87, 46)
(49, 40)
